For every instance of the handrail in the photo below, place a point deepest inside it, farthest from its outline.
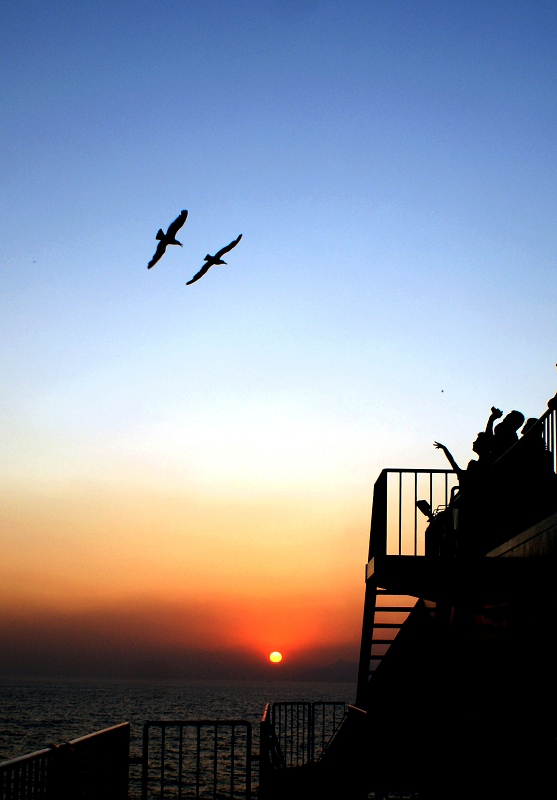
(517, 490)
(271, 756)
(121, 727)
(10, 762)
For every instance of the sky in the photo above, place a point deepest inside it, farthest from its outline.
(186, 472)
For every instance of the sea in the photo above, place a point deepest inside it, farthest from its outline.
(37, 712)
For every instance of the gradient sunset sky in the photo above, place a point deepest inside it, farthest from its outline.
(186, 472)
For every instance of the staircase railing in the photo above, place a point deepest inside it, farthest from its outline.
(271, 759)
(303, 730)
(295, 735)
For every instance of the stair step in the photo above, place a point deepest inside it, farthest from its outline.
(388, 624)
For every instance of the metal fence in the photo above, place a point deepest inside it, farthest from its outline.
(197, 759)
(326, 720)
(87, 768)
(26, 777)
(397, 527)
(303, 730)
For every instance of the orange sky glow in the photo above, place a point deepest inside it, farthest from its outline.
(90, 569)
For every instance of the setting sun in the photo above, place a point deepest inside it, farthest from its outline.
(275, 657)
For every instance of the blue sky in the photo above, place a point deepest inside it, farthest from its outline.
(392, 169)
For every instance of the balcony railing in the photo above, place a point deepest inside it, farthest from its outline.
(397, 527)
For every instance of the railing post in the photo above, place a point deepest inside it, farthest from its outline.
(378, 528)
(377, 546)
(248, 764)
(311, 734)
(145, 764)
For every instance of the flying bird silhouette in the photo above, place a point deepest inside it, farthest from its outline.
(212, 260)
(168, 238)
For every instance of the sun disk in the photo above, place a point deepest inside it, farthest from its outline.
(275, 657)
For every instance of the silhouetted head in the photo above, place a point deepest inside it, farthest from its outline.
(481, 445)
(510, 424)
(529, 424)
(516, 419)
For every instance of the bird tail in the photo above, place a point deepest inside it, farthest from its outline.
(160, 234)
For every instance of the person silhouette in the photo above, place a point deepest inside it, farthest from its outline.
(505, 434)
(482, 446)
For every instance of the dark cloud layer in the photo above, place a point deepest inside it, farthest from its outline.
(139, 645)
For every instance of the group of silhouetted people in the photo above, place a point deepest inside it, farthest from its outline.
(491, 443)
(510, 486)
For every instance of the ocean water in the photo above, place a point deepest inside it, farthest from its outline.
(34, 713)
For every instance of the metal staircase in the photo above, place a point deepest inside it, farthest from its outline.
(397, 529)
(390, 614)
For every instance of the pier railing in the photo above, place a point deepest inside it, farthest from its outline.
(87, 768)
(201, 759)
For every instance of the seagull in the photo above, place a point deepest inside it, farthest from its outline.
(168, 238)
(212, 260)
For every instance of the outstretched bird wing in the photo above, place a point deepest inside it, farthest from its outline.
(227, 248)
(159, 252)
(205, 268)
(175, 226)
